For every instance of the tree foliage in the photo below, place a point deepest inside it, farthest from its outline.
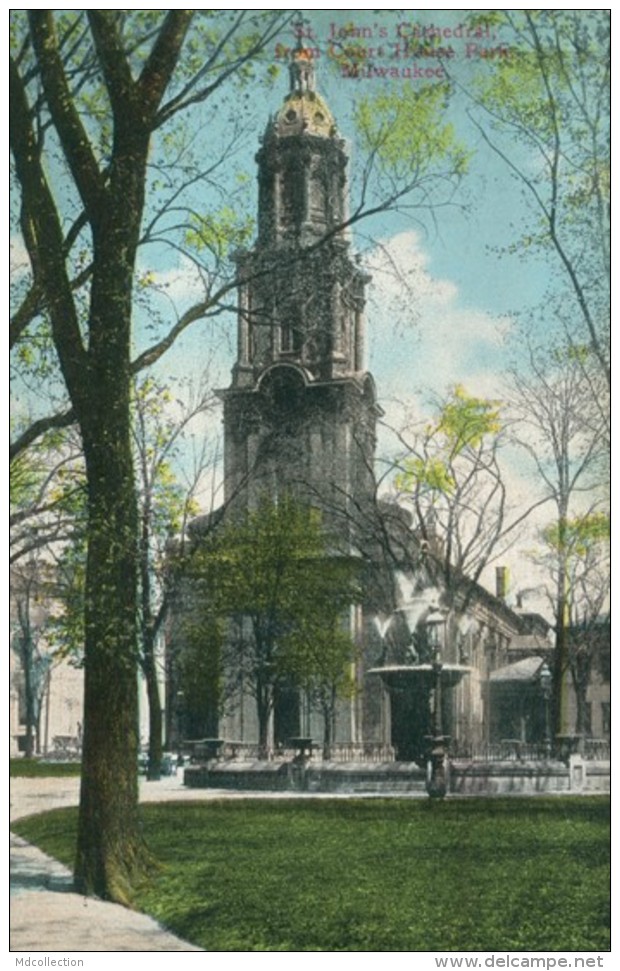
(405, 129)
(272, 576)
(559, 424)
(545, 110)
(579, 536)
(46, 493)
(449, 474)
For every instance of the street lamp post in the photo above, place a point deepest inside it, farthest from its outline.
(436, 784)
(179, 700)
(545, 677)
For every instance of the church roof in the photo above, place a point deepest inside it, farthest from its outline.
(526, 670)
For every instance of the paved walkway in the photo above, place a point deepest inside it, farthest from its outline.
(45, 914)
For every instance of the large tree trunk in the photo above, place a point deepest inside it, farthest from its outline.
(264, 707)
(27, 660)
(110, 852)
(581, 674)
(328, 710)
(560, 659)
(328, 734)
(582, 727)
(29, 697)
(110, 848)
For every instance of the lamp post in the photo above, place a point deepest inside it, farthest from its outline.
(545, 678)
(179, 700)
(436, 783)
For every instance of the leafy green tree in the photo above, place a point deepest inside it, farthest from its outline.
(273, 577)
(545, 110)
(411, 155)
(322, 657)
(198, 685)
(450, 475)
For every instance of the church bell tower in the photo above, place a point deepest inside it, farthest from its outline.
(300, 412)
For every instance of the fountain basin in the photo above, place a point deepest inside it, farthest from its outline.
(402, 675)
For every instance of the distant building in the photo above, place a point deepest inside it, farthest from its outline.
(588, 696)
(46, 690)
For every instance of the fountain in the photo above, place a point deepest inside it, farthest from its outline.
(418, 680)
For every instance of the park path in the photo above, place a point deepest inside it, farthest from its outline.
(45, 915)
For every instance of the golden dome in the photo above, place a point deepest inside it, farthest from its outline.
(305, 112)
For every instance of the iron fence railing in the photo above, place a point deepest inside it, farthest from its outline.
(371, 752)
(362, 752)
(514, 750)
(597, 749)
(506, 750)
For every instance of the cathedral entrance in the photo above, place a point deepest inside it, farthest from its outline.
(411, 722)
(286, 715)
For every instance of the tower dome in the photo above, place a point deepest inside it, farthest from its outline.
(304, 111)
(302, 166)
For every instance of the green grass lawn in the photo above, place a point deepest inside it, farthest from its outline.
(34, 767)
(384, 875)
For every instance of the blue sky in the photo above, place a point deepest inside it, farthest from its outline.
(461, 286)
